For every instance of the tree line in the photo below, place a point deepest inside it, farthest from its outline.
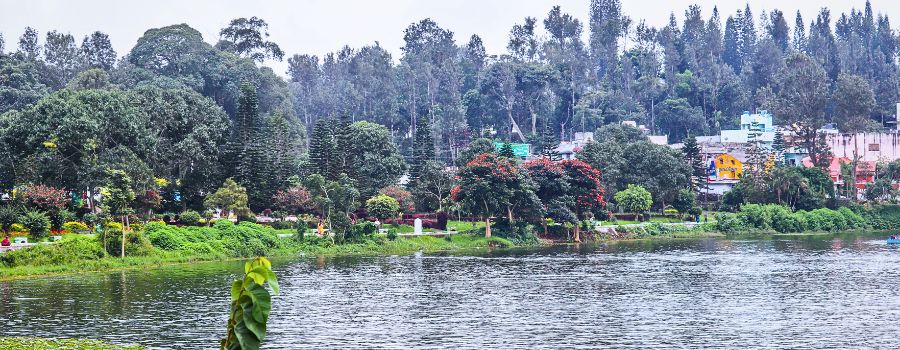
(178, 113)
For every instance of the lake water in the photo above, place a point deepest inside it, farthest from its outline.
(784, 292)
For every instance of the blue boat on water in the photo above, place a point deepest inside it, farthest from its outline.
(893, 240)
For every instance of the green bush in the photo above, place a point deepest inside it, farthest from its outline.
(223, 224)
(282, 225)
(728, 222)
(60, 217)
(37, 224)
(392, 234)
(756, 216)
(784, 221)
(360, 232)
(136, 243)
(9, 215)
(301, 230)
(190, 218)
(165, 237)
(853, 219)
(72, 249)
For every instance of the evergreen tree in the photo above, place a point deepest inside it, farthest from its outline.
(691, 153)
(546, 145)
(247, 135)
(321, 147)
(423, 149)
(506, 151)
(340, 158)
(778, 147)
(731, 45)
(799, 34)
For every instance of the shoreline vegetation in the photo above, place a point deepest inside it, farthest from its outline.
(28, 343)
(158, 244)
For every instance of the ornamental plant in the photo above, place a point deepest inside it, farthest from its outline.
(485, 186)
(250, 306)
(584, 188)
(382, 207)
(45, 198)
(37, 224)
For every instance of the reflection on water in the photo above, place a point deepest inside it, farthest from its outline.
(785, 292)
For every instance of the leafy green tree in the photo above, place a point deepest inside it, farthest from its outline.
(228, 198)
(374, 159)
(62, 57)
(854, 101)
(801, 101)
(382, 207)
(685, 201)
(432, 190)
(93, 78)
(476, 147)
(248, 37)
(21, 83)
(28, 44)
(634, 199)
(117, 198)
(98, 52)
(334, 200)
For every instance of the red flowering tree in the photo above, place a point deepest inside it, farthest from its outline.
(403, 197)
(585, 189)
(294, 200)
(45, 198)
(551, 185)
(486, 186)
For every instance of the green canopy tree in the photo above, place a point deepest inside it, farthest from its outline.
(228, 198)
(117, 198)
(634, 199)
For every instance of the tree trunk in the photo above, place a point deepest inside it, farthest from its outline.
(577, 232)
(487, 227)
(123, 237)
(509, 214)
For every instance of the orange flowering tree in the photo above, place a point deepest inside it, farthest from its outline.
(585, 189)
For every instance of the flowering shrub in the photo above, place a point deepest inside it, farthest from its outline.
(75, 226)
(403, 197)
(45, 198)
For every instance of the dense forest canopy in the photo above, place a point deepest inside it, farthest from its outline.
(183, 112)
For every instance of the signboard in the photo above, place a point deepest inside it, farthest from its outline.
(519, 149)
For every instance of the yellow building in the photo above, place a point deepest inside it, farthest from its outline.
(728, 167)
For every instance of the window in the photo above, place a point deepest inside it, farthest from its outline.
(875, 147)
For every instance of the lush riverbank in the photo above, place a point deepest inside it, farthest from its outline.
(160, 244)
(30, 343)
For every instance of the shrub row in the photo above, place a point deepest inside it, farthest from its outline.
(771, 217)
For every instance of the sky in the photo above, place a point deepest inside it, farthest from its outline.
(322, 26)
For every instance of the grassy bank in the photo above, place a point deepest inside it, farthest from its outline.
(161, 245)
(29, 343)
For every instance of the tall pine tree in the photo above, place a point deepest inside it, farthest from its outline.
(321, 147)
(244, 145)
(423, 149)
(691, 153)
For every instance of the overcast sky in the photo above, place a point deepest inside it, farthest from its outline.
(321, 26)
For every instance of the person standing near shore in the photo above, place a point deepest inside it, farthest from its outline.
(5, 242)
